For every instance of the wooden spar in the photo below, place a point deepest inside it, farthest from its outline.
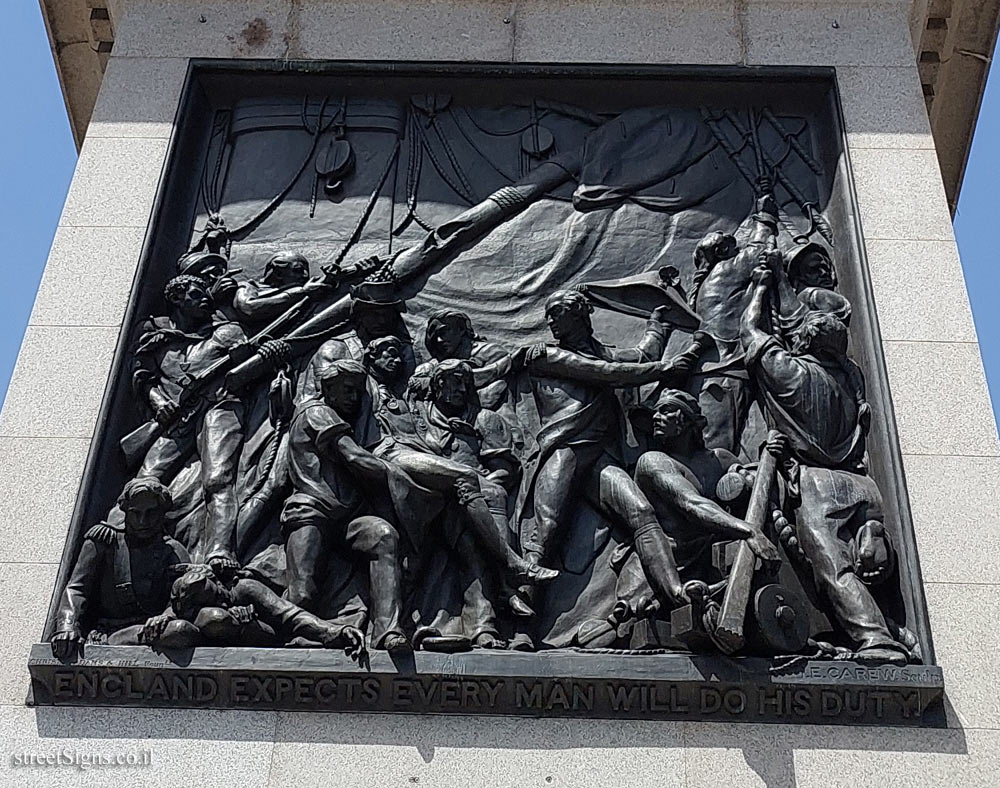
(729, 629)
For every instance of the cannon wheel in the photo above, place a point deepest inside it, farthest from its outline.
(781, 619)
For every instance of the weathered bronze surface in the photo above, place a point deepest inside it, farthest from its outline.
(558, 373)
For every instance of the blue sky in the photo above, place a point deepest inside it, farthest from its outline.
(37, 157)
(975, 225)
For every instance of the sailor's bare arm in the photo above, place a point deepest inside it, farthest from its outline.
(363, 464)
(249, 303)
(752, 324)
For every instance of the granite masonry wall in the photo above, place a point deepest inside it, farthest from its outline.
(942, 408)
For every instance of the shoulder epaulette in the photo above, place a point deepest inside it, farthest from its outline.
(103, 533)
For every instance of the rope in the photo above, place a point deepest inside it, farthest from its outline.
(392, 202)
(209, 188)
(414, 165)
(713, 124)
(453, 160)
(792, 139)
(507, 197)
(817, 220)
(252, 224)
(478, 150)
(340, 115)
(275, 351)
(372, 200)
(472, 120)
(216, 175)
(269, 459)
(440, 169)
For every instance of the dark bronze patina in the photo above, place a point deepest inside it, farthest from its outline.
(573, 372)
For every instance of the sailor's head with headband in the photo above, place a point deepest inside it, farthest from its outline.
(675, 413)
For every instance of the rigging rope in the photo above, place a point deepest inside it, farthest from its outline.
(414, 165)
(793, 140)
(370, 206)
(252, 224)
(477, 149)
(457, 189)
(496, 133)
(453, 160)
(209, 189)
